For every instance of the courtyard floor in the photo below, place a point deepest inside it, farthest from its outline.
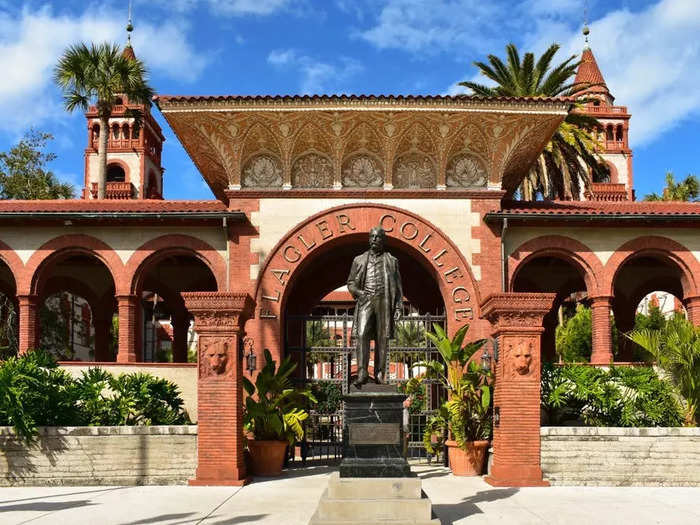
(292, 500)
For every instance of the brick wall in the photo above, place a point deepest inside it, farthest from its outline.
(157, 455)
(621, 456)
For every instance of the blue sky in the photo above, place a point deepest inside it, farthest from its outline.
(648, 51)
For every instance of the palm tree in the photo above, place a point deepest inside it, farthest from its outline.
(97, 74)
(563, 167)
(686, 190)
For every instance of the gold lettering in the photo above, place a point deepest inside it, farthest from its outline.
(271, 298)
(455, 271)
(422, 245)
(280, 275)
(465, 298)
(466, 313)
(306, 244)
(344, 220)
(403, 231)
(384, 217)
(440, 254)
(296, 253)
(323, 228)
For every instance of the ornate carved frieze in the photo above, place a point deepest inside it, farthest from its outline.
(312, 171)
(262, 171)
(465, 171)
(517, 311)
(362, 171)
(415, 171)
(218, 311)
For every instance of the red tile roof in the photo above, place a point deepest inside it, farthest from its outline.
(589, 73)
(589, 208)
(399, 98)
(111, 206)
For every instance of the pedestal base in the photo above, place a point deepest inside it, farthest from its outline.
(373, 434)
(368, 501)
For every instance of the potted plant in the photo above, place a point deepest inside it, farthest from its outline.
(273, 415)
(466, 412)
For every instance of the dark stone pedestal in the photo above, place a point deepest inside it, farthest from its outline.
(373, 434)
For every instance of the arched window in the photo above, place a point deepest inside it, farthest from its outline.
(115, 173)
(125, 130)
(609, 132)
(118, 101)
(596, 103)
(115, 132)
(619, 134)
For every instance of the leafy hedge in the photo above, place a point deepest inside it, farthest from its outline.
(35, 392)
(618, 397)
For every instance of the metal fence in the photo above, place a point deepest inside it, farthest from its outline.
(323, 346)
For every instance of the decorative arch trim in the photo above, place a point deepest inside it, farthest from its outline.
(566, 248)
(156, 249)
(304, 241)
(52, 251)
(660, 248)
(13, 262)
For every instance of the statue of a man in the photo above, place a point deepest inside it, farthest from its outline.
(375, 283)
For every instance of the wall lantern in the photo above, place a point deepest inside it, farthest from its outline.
(251, 361)
(486, 360)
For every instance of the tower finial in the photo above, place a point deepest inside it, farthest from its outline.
(586, 30)
(129, 27)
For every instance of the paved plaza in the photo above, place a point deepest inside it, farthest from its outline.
(292, 499)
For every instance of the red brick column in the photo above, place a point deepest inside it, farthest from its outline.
(181, 325)
(28, 322)
(218, 318)
(517, 322)
(602, 334)
(692, 306)
(128, 328)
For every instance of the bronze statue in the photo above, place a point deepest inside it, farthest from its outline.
(375, 284)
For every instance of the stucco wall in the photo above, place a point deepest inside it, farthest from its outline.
(123, 239)
(621, 456)
(603, 241)
(158, 455)
(453, 216)
(183, 375)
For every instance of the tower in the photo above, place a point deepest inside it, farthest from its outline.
(614, 121)
(134, 149)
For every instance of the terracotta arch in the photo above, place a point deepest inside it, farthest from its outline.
(661, 248)
(55, 249)
(13, 262)
(123, 165)
(566, 248)
(153, 251)
(347, 224)
(614, 176)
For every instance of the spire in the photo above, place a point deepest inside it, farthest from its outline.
(588, 71)
(128, 50)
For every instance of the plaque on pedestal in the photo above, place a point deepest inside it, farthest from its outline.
(373, 433)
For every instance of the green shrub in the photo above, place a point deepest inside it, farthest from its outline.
(618, 397)
(574, 336)
(329, 396)
(415, 389)
(35, 392)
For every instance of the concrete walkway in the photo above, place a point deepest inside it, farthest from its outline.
(292, 499)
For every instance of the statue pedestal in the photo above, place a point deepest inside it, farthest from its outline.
(373, 433)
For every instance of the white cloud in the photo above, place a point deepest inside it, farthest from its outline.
(316, 76)
(32, 41)
(226, 7)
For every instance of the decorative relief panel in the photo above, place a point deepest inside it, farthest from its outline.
(465, 171)
(214, 358)
(262, 171)
(362, 171)
(312, 171)
(520, 359)
(414, 171)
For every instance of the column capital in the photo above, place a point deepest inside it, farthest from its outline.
(28, 299)
(601, 300)
(519, 312)
(218, 312)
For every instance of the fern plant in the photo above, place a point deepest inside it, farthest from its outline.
(467, 383)
(274, 409)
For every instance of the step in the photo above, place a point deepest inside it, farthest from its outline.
(373, 488)
(377, 510)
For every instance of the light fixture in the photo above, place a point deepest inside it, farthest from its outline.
(251, 361)
(486, 360)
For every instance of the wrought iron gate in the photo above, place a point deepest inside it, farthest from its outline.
(322, 347)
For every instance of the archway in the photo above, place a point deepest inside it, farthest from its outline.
(76, 293)
(165, 324)
(9, 312)
(338, 233)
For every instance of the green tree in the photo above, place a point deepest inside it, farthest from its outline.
(563, 167)
(97, 74)
(23, 171)
(686, 190)
(574, 337)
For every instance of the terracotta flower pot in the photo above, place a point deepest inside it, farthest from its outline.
(469, 462)
(266, 457)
